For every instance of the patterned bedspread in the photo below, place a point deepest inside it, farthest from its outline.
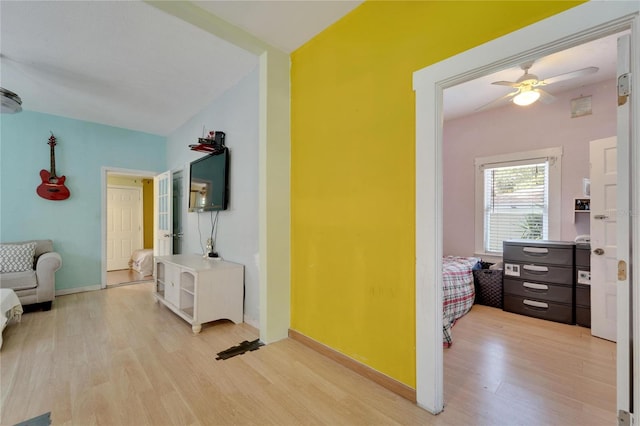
(458, 291)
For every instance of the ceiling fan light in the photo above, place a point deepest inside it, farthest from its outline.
(527, 97)
(11, 103)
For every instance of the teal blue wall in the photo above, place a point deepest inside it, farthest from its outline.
(83, 149)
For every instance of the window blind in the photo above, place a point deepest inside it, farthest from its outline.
(516, 203)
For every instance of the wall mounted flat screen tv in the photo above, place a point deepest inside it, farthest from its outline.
(208, 182)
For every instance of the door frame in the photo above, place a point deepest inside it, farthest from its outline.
(139, 190)
(575, 26)
(104, 171)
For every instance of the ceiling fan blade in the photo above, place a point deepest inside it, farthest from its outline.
(501, 100)
(545, 97)
(506, 83)
(569, 75)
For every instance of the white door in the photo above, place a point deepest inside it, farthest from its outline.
(162, 215)
(124, 226)
(604, 264)
(624, 352)
(610, 236)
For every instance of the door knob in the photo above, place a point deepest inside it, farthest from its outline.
(598, 251)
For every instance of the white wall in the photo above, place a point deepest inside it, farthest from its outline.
(514, 129)
(236, 114)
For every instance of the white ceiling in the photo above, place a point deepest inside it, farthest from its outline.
(466, 98)
(130, 65)
(286, 25)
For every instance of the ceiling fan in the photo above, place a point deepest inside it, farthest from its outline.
(11, 103)
(528, 88)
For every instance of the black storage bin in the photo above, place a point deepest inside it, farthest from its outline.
(488, 284)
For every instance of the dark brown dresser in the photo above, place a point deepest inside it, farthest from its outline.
(539, 279)
(583, 285)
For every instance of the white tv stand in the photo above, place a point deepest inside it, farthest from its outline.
(198, 289)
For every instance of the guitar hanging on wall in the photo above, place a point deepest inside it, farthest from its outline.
(52, 186)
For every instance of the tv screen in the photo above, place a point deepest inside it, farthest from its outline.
(208, 183)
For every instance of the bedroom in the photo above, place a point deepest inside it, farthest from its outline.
(511, 130)
(476, 134)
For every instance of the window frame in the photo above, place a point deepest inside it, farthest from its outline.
(553, 156)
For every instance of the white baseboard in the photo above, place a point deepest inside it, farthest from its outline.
(66, 291)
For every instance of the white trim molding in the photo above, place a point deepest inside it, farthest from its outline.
(104, 172)
(583, 23)
(66, 291)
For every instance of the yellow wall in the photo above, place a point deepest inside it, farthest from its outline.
(147, 212)
(352, 168)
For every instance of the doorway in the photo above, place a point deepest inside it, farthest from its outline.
(494, 133)
(127, 226)
(578, 25)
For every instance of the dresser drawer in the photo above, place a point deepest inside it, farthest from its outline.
(539, 291)
(552, 311)
(536, 252)
(583, 295)
(544, 273)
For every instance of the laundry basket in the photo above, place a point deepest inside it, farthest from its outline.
(488, 283)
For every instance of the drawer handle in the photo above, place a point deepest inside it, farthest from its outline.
(534, 268)
(535, 250)
(535, 286)
(535, 304)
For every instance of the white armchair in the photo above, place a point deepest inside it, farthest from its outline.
(28, 268)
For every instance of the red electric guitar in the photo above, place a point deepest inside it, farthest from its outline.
(52, 186)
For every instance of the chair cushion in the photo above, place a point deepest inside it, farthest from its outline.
(17, 257)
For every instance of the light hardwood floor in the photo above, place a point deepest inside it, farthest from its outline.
(115, 357)
(511, 369)
(125, 276)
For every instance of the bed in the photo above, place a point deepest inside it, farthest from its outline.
(142, 261)
(458, 291)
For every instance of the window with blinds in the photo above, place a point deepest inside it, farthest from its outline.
(516, 203)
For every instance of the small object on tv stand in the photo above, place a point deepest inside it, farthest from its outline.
(213, 254)
(209, 248)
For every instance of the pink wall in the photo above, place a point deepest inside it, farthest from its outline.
(514, 129)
